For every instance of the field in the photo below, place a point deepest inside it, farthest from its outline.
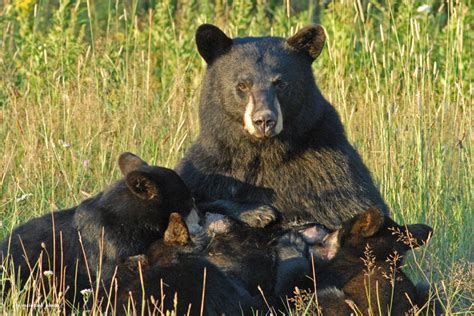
(81, 81)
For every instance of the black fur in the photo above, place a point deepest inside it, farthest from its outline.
(309, 172)
(235, 267)
(180, 271)
(121, 221)
(241, 263)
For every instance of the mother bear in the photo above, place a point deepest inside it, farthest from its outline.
(268, 138)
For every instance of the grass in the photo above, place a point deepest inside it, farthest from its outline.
(82, 81)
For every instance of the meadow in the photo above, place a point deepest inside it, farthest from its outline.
(82, 81)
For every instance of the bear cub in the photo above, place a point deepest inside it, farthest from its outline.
(365, 268)
(174, 271)
(245, 262)
(121, 221)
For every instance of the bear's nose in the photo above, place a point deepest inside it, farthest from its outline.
(264, 121)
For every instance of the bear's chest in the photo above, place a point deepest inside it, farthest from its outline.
(276, 176)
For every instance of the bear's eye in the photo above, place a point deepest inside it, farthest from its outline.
(279, 84)
(243, 86)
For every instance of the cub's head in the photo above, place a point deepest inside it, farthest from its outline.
(262, 83)
(372, 229)
(148, 195)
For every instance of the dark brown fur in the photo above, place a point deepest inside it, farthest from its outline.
(367, 266)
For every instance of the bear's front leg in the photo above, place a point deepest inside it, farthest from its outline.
(257, 215)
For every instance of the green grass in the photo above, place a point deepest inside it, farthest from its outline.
(81, 81)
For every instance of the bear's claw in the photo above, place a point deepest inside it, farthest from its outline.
(259, 217)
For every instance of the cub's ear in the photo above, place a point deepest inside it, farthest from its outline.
(141, 184)
(309, 40)
(212, 42)
(332, 244)
(177, 232)
(129, 162)
(421, 234)
(368, 223)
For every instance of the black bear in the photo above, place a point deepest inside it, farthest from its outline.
(351, 263)
(176, 275)
(269, 139)
(365, 266)
(119, 222)
(241, 264)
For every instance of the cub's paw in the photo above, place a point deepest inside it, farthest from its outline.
(217, 224)
(292, 245)
(260, 216)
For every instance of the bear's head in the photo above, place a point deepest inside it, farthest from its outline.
(380, 234)
(261, 83)
(148, 195)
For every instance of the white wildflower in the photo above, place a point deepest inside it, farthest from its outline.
(23, 197)
(86, 292)
(425, 8)
(48, 273)
(64, 144)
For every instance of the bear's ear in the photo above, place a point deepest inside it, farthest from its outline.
(129, 162)
(332, 244)
(212, 42)
(419, 234)
(309, 40)
(142, 185)
(177, 232)
(368, 223)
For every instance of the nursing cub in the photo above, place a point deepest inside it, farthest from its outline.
(84, 243)
(348, 262)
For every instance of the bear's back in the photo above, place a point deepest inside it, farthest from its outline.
(39, 234)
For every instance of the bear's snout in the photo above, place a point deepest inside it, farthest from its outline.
(263, 119)
(264, 122)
